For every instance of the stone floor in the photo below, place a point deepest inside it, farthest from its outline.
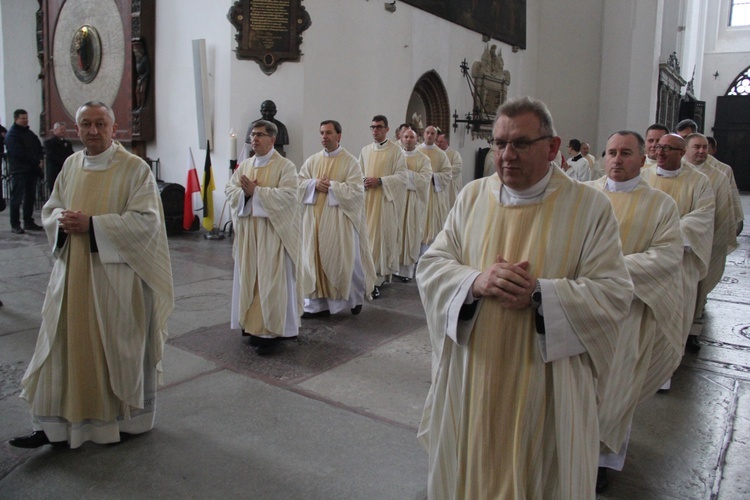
(334, 413)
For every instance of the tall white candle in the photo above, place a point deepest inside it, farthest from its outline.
(232, 145)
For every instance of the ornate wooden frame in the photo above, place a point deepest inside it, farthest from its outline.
(269, 31)
(135, 114)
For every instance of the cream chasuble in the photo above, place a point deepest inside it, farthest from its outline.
(262, 246)
(725, 236)
(692, 192)
(419, 184)
(384, 205)
(437, 204)
(650, 344)
(457, 182)
(104, 319)
(739, 215)
(498, 421)
(328, 230)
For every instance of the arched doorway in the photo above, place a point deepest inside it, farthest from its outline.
(428, 104)
(732, 128)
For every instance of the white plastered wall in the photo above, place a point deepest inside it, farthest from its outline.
(20, 86)
(727, 54)
(630, 67)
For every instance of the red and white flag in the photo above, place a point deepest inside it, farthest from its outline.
(192, 193)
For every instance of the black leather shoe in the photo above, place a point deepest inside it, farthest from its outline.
(692, 345)
(17, 230)
(602, 483)
(357, 309)
(376, 292)
(405, 280)
(32, 226)
(320, 314)
(265, 346)
(33, 440)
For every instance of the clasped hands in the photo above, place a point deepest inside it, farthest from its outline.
(511, 284)
(74, 221)
(323, 184)
(248, 185)
(371, 182)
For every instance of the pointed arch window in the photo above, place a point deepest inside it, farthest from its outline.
(741, 84)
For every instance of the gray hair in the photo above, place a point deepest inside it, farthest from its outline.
(95, 104)
(524, 105)
(58, 124)
(271, 128)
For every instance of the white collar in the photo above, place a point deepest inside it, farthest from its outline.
(262, 161)
(429, 147)
(622, 187)
(668, 173)
(100, 161)
(335, 152)
(509, 196)
(411, 153)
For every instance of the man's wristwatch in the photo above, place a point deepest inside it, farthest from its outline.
(536, 296)
(380, 181)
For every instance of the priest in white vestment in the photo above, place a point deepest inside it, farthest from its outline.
(692, 192)
(653, 133)
(337, 271)
(650, 342)
(437, 204)
(724, 238)
(384, 173)
(419, 179)
(524, 291)
(98, 356)
(457, 164)
(262, 196)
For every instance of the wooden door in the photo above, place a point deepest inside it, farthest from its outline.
(732, 134)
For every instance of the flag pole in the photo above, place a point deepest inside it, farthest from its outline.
(214, 233)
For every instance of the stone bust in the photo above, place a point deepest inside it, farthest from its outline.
(268, 112)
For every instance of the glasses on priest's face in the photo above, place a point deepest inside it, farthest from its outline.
(519, 145)
(666, 149)
(259, 135)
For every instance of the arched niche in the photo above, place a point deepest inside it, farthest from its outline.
(428, 104)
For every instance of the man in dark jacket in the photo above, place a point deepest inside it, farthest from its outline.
(24, 165)
(56, 151)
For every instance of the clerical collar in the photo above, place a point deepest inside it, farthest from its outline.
(100, 161)
(622, 187)
(694, 165)
(433, 146)
(668, 173)
(649, 162)
(335, 152)
(410, 153)
(262, 161)
(533, 194)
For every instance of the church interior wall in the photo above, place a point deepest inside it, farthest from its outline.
(692, 40)
(2, 73)
(594, 63)
(569, 37)
(727, 54)
(21, 87)
(630, 67)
